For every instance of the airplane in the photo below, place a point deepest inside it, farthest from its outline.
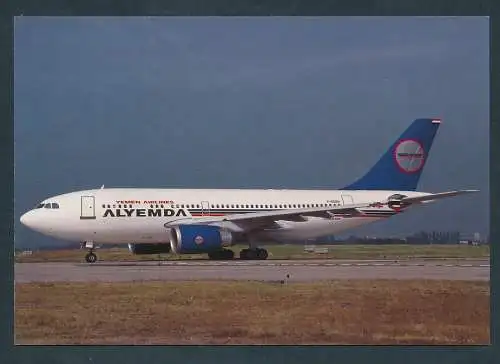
(187, 221)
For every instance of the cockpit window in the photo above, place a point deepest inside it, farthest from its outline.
(49, 205)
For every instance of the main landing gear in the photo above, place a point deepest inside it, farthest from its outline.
(90, 257)
(245, 254)
(254, 254)
(224, 254)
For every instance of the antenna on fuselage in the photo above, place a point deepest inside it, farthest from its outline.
(102, 187)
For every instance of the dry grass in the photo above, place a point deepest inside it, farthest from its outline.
(281, 252)
(337, 312)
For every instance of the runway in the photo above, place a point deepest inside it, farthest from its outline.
(269, 270)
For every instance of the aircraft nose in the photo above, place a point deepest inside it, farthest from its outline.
(27, 219)
(37, 221)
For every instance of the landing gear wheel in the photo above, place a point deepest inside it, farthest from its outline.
(224, 254)
(246, 254)
(262, 254)
(228, 254)
(253, 254)
(91, 258)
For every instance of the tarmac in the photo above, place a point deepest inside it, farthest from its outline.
(268, 270)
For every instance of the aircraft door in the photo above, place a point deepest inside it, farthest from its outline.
(87, 207)
(347, 200)
(205, 208)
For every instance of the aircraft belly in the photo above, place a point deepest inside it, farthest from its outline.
(118, 231)
(320, 227)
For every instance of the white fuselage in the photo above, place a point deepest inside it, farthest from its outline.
(135, 215)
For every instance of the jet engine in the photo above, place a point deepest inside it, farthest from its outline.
(192, 239)
(149, 248)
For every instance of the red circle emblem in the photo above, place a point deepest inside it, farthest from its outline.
(409, 155)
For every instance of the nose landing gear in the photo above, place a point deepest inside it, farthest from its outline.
(90, 257)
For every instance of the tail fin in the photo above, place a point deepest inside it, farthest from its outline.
(402, 164)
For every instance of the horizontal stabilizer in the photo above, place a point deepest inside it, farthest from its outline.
(435, 196)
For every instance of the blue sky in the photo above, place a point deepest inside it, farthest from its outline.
(274, 102)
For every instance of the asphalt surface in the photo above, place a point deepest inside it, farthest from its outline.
(270, 270)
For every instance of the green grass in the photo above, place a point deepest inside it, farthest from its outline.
(283, 252)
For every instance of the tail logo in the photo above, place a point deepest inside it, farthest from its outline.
(409, 155)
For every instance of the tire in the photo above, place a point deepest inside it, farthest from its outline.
(244, 254)
(91, 258)
(262, 254)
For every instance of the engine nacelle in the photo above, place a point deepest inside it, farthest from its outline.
(149, 248)
(192, 239)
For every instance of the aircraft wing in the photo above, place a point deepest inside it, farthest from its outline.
(267, 219)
